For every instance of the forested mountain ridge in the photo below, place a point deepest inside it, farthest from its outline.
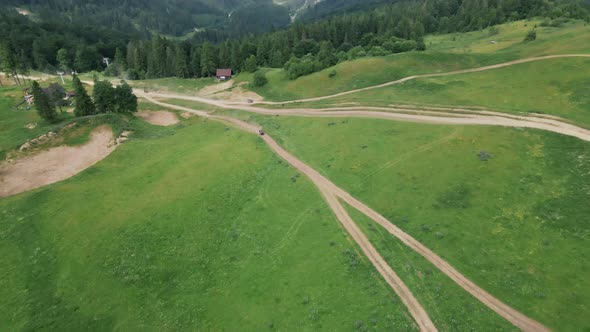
(171, 17)
(302, 48)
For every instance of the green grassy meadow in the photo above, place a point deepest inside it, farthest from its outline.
(506, 207)
(571, 37)
(556, 87)
(192, 227)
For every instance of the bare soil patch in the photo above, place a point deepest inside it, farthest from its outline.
(210, 90)
(159, 118)
(239, 94)
(55, 164)
(227, 91)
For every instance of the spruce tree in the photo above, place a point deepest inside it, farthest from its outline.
(125, 100)
(104, 97)
(208, 64)
(251, 65)
(42, 104)
(327, 54)
(63, 59)
(181, 66)
(84, 105)
(195, 61)
(8, 62)
(120, 60)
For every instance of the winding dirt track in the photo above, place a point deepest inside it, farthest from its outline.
(332, 193)
(410, 115)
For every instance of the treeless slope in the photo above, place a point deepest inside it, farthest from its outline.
(55, 164)
(463, 71)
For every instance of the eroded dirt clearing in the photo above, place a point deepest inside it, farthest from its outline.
(55, 164)
(159, 118)
(231, 92)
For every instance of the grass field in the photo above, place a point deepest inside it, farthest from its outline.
(507, 207)
(191, 227)
(557, 87)
(444, 53)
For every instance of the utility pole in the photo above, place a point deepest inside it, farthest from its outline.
(61, 74)
(106, 61)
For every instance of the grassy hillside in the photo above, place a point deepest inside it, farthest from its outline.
(572, 37)
(192, 227)
(507, 207)
(444, 53)
(364, 72)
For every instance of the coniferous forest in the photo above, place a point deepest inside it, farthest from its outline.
(80, 40)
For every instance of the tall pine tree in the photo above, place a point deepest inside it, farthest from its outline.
(181, 67)
(44, 107)
(208, 64)
(84, 105)
(104, 97)
(125, 100)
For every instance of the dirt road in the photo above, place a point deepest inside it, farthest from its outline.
(411, 115)
(332, 193)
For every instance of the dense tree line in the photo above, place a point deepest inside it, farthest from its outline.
(106, 99)
(26, 44)
(301, 49)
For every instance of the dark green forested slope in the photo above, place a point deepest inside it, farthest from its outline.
(34, 41)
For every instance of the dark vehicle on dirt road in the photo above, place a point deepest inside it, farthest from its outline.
(261, 132)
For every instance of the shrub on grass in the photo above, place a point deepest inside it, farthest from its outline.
(530, 36)
(494, 30)
(125, 100)
(259, 79)
(104, 97)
